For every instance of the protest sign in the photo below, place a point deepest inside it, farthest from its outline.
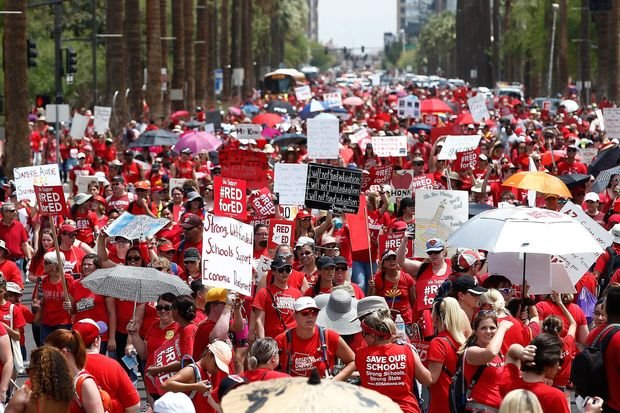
(102, 118)
(214, 117)
(248, 131)
(361, 138)
(290, 183)
(478, 108)
(51, 200)
(587, 154)
(438, 214)
(612, 122)
(262, 265)
(409, 107)
(323, 136)
(229, 197)
(60, 112)
(174, 183)
(377, 175)
(333, 188)
(454, 144)
(375, 79)
(303, 93)
(359, 225)
(262, 204)
(82, 182)
(250, 166)
(600, 118)
(392, 242)
(281, 231)
(135, 226)
(423, 182)
(227, 249)
(465, 161)
(386, 146)
(334, 100)
(402, 184)
(78, 126)
(29, 176)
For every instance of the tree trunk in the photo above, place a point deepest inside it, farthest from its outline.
(201, 52)
(274, 33)
(497, 71)
(235, 40)
(602, 35)
(163, 25)
(584, 47)
(224, 24)
(188, 38)
(562, 42)
(153, 60)
(507, 70)
(614, 52)
(115, 68)
(472, 46)
(247, 55)
(178, 56)
(133, 36)
(16, 90)
(212, 51)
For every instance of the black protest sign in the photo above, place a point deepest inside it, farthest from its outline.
(333, 188)
(214, 117)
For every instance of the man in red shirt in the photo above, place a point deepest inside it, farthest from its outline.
(571, 165)
(14, 235)
(219, 308)
(184, 167)
(120, 199)
(592, 202)
(8, 268)
(130, 169)
(107, 372)
(192, 233)
(141, 205)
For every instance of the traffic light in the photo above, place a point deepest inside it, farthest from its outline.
(71, 61)
(32, 53)
(41, 101)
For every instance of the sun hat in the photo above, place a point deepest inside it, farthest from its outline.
(303, 303)
(12, 287)
(174, 403)
(369, 305)
(90, 329)
(301, 241)
(615, 232)
(82, 198)
(214, 295)
(222, 354)
(434, 245)
(340, 314)
(467, 283)
(193, 195)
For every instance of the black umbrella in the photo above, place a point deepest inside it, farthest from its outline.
(289, 139)
(604, 160)
(419, 127)
(475, 208)
(571, 180)
(281, 108)
(157, 137)
(193, 124)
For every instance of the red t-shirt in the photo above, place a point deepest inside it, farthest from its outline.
(124, 313)
(517, 333)
(131, 172)
(112, 378)
(184, 169)
(263, 374)
(486, 389)
(187, 335)
(442, 352)
(201, 338)
(85, 223)
(601, 261)
(53, 313)
(550, 398)
(73, 260)
(568, 354)
(282, 303)
(18, 317)
(11, 272)
(120, 203)
(154, 339)
(307, 354)
(425, 296)
(87, 304)
(14, 235)
(396, 295)
(343, 237)
(546, 308)
(389, 370)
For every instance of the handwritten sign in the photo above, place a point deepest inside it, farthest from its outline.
(361, 138)
(135, 226)
(248, 131)
(333, 188)
(281, 231)
(229, 197)
(102, 118)
(262, 267)
(227, 246)
(478, 108)
(377, 175)
(29, 176)
(78, 126)
(250, 166)
(402, 184)
(386, 146)
(612, 122)
(303, 93)
(334, 100)
(587, 154)
(51, 200)
(290, 183)
(454, 144)
(323, 136)
(262, 204)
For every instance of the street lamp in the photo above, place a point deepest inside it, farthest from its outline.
(555, 7)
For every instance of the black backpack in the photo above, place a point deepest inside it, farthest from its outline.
(588, 369)
(460, 390)
(612, 265)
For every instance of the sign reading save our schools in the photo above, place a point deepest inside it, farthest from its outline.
(333, 188)
(51, 200)
(227, 254)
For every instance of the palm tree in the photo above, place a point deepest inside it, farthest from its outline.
(562, 73)
(16, 90)
(235, 37)
(178, 52)
(153, 59)
(603, 21)
(247, 55)
(224, 24)
(132, 37)
(115, 67)
(163, 26)
(202, 31)
(212, 50)
(188, 38)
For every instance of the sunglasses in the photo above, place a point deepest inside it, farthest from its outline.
(504, 291)
(166, 307)
(305, 219)
(306, 253)
(434, 252)
(418, 163)
(283, 270)
(310, 312)
(341, 268)
(133, 258)
(48, 262)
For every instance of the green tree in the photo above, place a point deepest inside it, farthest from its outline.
(437, 44)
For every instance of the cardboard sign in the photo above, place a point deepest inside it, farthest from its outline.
(78, 126)
(386, 146)
(281, 231)
(612, 122)
(102, 116)
(229, 197)
(402, 183)
(262, 266)
(303, 93)
(334, 100)
(361, 138)
(290, 183)
(438, 214)
(587, 154)
(377, 175)
(323, 137)
(466, 161)
(392, 242)
(135, 226)
(29, 176)
(250, 166)
(248, 131)
(409, 107)
(227, 249)
(333, 189)
(478, 108)
(454, 144)
(601, 119)
(262, 204)
(51, 200)
(60, 112)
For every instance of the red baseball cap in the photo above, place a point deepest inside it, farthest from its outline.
(303, 214)
(90, 329)
(166, 247)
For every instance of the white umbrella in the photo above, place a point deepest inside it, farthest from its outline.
(570, 105)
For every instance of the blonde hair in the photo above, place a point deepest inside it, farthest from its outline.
(381, 321)
(450, 316)
(52, 257)
(262, 350)
(496, 300)
(520, 401)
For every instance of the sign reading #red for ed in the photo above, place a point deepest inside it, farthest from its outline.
(230, 199)
(51, 200)
(281, 231)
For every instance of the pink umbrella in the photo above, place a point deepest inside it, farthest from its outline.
(353, 101)
(270, 133)
(179, 114)
(235, 111)
(198, 141)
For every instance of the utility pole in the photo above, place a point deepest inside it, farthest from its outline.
(58, 72)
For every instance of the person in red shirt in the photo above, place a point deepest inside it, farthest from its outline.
(296, 279)
(571, 165)
(141, 204)
(192, 236)
(130, 170)
(397, 286)
(591, 201)
(10, 313)
(73, 254)
(120, 199)
(8, 268)
(553, 325)
(184, 167)
(14, 234)
(218, 308)
(325, 281)
(81, 169)
(263, 360)
(108, 373)
(550, 307)
(340, 277)
(86, 221)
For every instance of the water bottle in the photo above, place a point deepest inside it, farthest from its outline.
(337, 223)
(401, 331)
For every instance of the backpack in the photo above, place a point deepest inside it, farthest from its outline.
(612, 265)
(106, 400)
(588, 369)
(194, 366)
(587, 302)
(289, 340)
(460, 391)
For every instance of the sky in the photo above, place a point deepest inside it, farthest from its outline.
(355, 23)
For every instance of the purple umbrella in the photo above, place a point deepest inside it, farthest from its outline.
(198, 141)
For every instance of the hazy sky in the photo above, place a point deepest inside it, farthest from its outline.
(355, 23)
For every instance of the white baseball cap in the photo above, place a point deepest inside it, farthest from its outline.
(303, 303)
(592, 196)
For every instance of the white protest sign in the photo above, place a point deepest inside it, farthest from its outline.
(510, 265)
(323, 136)
(478, 108)
(102, 118)
(587, 154)
(454, 144)
(334, 100)
(176, 182)
(290, 183)
(262, 267)
(63, 112)
(82, 182)
(78, 126)
(409, 107)
(438, 214)
(303, 93)
(601, 120)
(361, 138)
(29, 176)
(248, 131)
(612, 122)
(386, 146)
(375, 79)
(227, 249)
(237, 76)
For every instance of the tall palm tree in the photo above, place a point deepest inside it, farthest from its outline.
(212, 50)
(132, 36)
(153, 59)
(188, 38)
(603, 42)
(614, 52)
(163, 26)
(584, 48)
(224, 24)
(201, 51)
(178, 52)
(235, 37)
(247, 55)
(16, 90)
(115, 68)
(562, 39)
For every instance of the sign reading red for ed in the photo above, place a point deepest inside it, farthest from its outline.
(229, 196)
(51, 200)
(392, 242)
(281, 231)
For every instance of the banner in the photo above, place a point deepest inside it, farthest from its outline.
(51, 200)
(290, 183)
(386, 146)
(334, 100)
(229, 198)
(227, 250)
(102, 118)
(248, 131)
(402, 184)
(303, 93)
(392, 242)
(78, 126)
(423, 182)
(454, 144)
(332, 188)
(262, 204)
(358, 225)
(478, 108)
(250, 166)
(377, 175)
(323, 138)
(466, 161)
(29, 176)
(281, 231)
(135, 226)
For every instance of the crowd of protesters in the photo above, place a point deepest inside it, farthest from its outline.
(350, 315)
